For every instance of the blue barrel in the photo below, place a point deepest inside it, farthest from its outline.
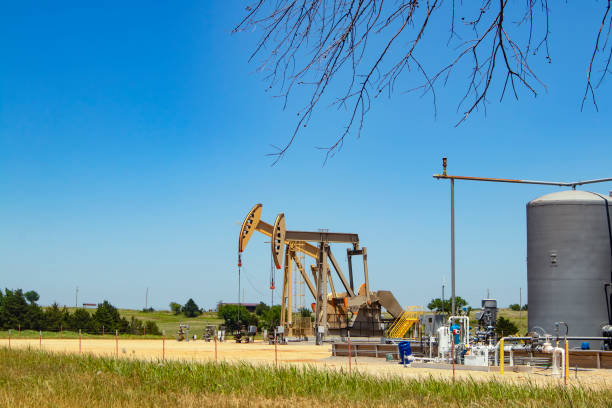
(404, 350)
(585, 345)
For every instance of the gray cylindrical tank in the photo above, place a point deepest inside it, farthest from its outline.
(568, 262)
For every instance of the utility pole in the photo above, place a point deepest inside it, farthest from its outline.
(76, 297)
(147, 299)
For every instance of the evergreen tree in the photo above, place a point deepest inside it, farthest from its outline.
(81, 319)
(106, 315)
(54, 318)
(191, 309)
(505, 327)
(13, 309)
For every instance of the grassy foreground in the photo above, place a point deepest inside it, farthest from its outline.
(40, 379)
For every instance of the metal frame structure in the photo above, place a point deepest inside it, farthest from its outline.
(285, 244)
(445, 176)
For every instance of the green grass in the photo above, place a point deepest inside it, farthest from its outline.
(33, 378)
(169, 322)
(165, 320)
(518, 318)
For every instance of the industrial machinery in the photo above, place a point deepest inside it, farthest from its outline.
(209, 332)
(335, 312)
(487, 319)
(246, 334)
(183, 332)
(569, 261)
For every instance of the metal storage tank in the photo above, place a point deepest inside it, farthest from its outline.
(568, 262)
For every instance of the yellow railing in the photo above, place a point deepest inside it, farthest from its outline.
(404, 322)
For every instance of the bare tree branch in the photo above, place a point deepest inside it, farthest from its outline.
(366, 47)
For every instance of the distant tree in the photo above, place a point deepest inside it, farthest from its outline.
(505, 327)
(261, 308)
(305, 312)
(148, 310)
(108, 316)
(81, 319)
(191, 309)
(515, 306)
(54, 318)
(437, 304)
(271, 319)
(524, 306)
(13, 309)
(34, 318)
(31, 296)
(175, 307)
(135, 326)
(152, 328)
(235, 316)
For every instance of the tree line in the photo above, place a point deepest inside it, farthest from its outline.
(264, 316)
(19, 310)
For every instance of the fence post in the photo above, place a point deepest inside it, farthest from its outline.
(163, 345)
(9, 338)
(79, 341)
(40, 339)
(275, 351)
(19, 326)
(349, 349)
(116, 343)
(216, 358)
(102, 330)
(61, 331)
(501, 356)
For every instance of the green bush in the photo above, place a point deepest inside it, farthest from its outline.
(505, 327)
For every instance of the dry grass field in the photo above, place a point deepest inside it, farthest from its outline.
(32, 378)
(293, 354)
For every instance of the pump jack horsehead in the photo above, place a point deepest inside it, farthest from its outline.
(334, 312)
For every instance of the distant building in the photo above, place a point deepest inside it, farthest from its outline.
(249, 306)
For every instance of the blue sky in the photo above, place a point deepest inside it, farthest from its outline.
(133, 140)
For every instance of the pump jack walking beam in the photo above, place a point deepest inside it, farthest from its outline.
(285, 244)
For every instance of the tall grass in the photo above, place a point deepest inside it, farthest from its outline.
(32, 378)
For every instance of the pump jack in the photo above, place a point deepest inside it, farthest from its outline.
(334, 312)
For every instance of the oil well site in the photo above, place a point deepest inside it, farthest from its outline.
(308, 203)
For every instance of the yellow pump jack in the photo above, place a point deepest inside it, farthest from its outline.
(331, 309)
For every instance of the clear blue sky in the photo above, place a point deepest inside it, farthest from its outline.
(133, 142)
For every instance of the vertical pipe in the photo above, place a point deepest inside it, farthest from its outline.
(289, 263)
(216, 358)
(452, 183)
(40, 339)
(453, 356)
(501, 356)
(102, 330)
(275, 351)
(79, 341)
(349, 349)
(566, 368)
(350, 268)
(116, 343)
